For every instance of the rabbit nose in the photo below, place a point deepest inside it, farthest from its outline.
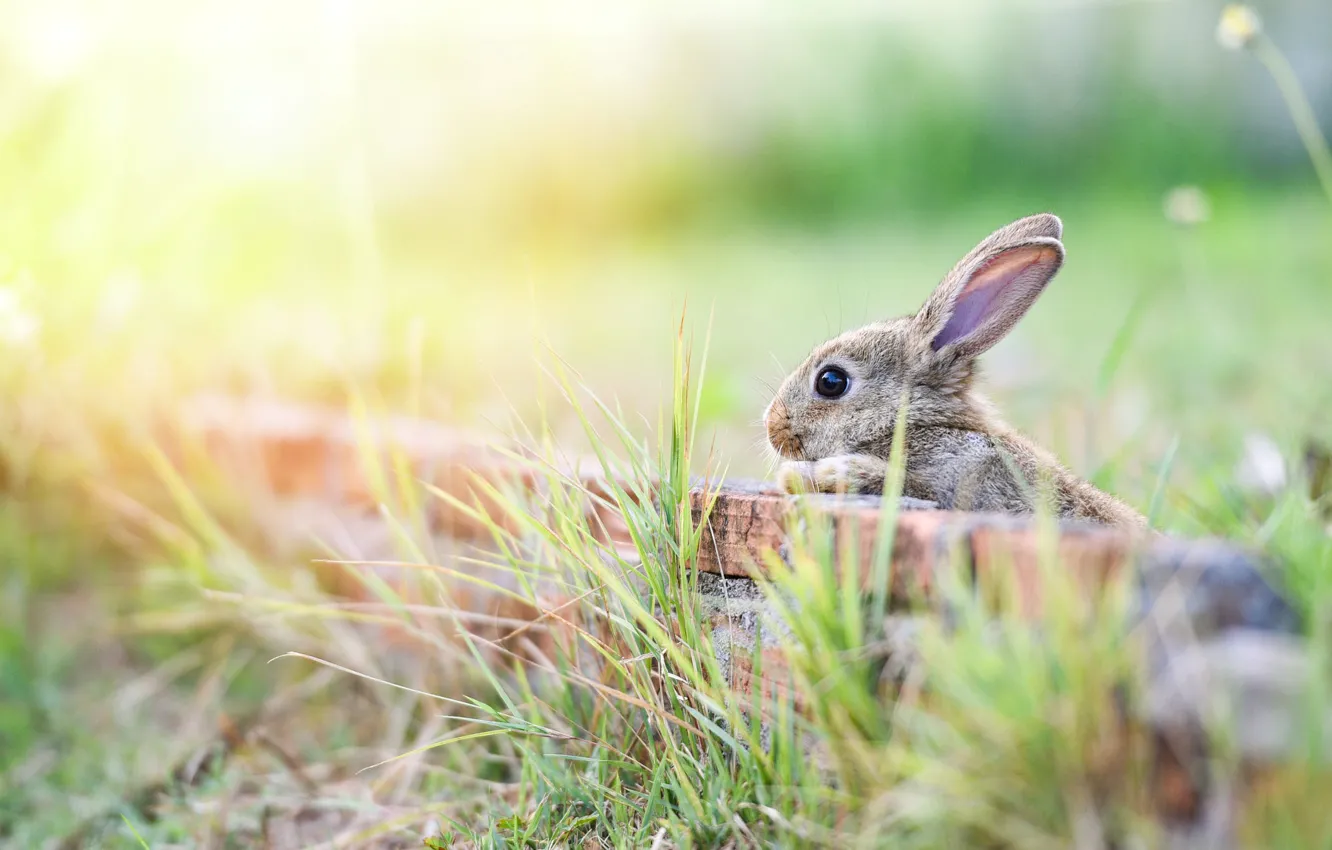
(777, 420)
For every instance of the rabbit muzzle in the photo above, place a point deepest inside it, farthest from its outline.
(781, 436)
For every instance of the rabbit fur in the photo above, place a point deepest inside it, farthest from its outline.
(958, 452)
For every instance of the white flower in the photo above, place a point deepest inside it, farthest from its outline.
(1187, 206)
(1238, 27)
(1261, 469)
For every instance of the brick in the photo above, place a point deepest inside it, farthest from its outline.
(775, 682)
(1212, 587)
(1226, 586)
(1011, 554)
(745, 523)
(749, 521)
(920, 545)
(299, 451)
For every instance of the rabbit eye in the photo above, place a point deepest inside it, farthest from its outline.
(832, 383)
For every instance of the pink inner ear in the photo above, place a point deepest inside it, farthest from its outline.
(983, 295)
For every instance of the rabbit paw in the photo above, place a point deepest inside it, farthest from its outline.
(840, 474)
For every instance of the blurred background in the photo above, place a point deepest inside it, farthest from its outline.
(425, 202)
(418, 198)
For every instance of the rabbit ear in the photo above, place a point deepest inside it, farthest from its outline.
(993, 286)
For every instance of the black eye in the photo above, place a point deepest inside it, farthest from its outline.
(832, 383)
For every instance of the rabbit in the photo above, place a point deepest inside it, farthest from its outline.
(832, 420)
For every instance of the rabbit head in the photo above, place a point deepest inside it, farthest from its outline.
(844, 398)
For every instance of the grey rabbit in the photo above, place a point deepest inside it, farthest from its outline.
(832, 420)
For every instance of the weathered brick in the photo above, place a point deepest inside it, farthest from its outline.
(297, 451)
(749, 521)
(775, 685)
(745, 523)
(920, 545)
(1212, 586)
(1013, 554)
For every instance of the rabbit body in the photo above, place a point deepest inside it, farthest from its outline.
(832, 421)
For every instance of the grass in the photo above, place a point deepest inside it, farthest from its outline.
(608, 727)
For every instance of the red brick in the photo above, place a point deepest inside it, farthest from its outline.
(742, 528)
(1011, 555)
(746, 524)
(775, 683)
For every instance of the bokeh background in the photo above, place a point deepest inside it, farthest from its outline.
(425, 202)
(417, 198)
(289, 197)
